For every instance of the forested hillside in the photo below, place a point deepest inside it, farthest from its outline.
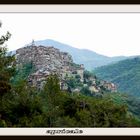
(125, 74)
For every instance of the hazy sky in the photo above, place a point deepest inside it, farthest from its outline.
(111, 34)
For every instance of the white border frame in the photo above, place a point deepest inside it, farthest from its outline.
(65, 8)
(70, 9)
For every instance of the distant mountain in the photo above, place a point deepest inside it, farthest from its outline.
(125, 74)
(89, 58)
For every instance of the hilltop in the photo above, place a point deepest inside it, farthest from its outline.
(49, 60)
(90, 59)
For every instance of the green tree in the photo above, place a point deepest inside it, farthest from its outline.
(88, 74)
(71, 83)
(7, 67)
(52, 91)
(24, 106)
(23, 73)
(86, 91)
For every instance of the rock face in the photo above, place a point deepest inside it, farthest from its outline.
(48, 60)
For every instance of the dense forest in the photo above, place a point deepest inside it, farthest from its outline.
(23, 105)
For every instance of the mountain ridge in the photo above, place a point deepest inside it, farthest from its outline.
(89, 58)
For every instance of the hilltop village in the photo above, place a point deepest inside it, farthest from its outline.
(49, 60)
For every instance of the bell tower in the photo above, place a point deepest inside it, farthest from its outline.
(33, 43)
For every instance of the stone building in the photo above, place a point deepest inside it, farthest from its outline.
(48, 60)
